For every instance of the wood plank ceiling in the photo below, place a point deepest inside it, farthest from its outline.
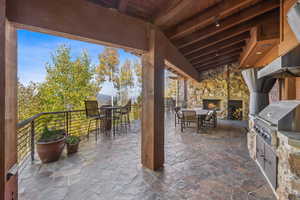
(209, 33)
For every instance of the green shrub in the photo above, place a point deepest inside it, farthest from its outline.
(72, 139)
(51, 135)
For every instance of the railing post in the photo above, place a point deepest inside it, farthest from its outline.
(67, 123)
(32, 137)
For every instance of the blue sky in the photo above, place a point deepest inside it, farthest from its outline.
(34, 51)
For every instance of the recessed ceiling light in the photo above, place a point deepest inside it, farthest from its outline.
(259, 53)
(217, 21)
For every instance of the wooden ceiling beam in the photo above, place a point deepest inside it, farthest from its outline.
(218, 55)
(224, 35)
(217, 64)
(166, 14)
(231, 21)
(227, 49)
(223, 44)
(219, 60)
(211, 50)
(122, 6)
(204, 18)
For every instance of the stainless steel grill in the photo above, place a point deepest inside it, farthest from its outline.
(278, 116)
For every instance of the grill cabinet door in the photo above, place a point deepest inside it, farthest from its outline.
(260, 151)
(271, 165)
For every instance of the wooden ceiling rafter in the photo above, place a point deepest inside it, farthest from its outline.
(234, 31)
(204, 18)
(234, 40)
(218, 55)
(219, 60)
(218, 64)
(170, 10)
(211, 50)
(233, 47)
(122, 5)
(229, 22)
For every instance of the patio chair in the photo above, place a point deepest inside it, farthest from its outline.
(178, 115)
(93, 114)
(124, 113)
(210, 120)
(189, 117)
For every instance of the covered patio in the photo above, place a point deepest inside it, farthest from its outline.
(214, 164)
(197, 41)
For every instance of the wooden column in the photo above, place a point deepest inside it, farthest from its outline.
(185, 93)
(8, 105)
(289, 88)
(153, 103)
(177, 91)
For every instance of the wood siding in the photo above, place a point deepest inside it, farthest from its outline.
(298, 88)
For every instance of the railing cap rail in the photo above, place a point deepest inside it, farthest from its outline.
(31, 119)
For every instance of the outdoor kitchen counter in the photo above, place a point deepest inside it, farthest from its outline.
(293, 138)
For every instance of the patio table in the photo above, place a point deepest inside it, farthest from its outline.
(200, 112)
(112, 110)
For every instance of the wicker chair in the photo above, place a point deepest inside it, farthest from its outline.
(124, 114)
(93, 114)
(210, 120)
(189, 117)
(178, 115)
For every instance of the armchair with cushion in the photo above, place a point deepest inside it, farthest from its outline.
(189, 117)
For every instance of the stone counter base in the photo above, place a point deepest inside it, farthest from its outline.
(288, 177)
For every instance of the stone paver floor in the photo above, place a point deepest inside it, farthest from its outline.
(213, 165)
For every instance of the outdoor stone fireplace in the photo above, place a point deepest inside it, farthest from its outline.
(224, 88)
(235, 109)
(211, 104)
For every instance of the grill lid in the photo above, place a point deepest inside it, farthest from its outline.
(277, 111)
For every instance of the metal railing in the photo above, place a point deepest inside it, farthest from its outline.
(73, 122)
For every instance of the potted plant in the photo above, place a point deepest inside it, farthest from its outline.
(72, 144)
(50, 145)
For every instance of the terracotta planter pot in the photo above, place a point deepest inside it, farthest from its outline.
(72, 148)
(50, 151)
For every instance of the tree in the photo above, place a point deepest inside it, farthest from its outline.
(107, 70)
(68, 83)
(138, 75)
(126, 81)
(28, 100)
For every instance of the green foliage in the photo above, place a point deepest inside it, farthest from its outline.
(72, 139)
(107, 70)
(51, 135)
(68, 83)
(170, 88)
(28, 100)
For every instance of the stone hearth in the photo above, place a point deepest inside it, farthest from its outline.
(224, 84)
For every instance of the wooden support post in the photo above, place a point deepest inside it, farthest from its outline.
(185, 98)
(177, 91)
(8, 105)
(289, 89)
(153, 103)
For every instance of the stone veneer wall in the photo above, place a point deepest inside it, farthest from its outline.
(224, 83)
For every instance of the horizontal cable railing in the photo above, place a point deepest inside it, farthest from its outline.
(72, 122)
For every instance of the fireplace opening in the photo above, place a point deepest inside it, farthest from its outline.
(235, 110)
(212, 104)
